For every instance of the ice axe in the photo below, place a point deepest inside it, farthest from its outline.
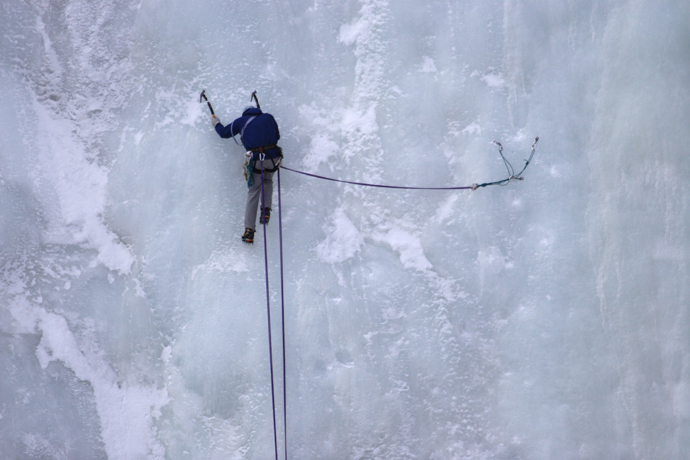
(256, 99)
(203, 97)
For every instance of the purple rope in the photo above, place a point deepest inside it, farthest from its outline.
(377, 185)
(282, 310)
(282, 293)
(268, 310)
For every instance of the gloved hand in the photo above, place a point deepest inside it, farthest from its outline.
(214, 121)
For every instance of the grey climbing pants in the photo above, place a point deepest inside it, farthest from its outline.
(254, 196)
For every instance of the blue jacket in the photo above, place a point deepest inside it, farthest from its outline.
(260, 131)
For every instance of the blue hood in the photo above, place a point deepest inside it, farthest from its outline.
(251, 111)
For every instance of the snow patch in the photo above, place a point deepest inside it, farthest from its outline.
(491, 261)
(350, 32)
(408, 246)
(223, 261)
(343, 241)
(445, 210)
(362, 121)
(472, 128)
(493, 80)
(126, 411)
(428, 65)
(321, 149)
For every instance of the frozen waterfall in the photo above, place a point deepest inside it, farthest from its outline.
(547, 319)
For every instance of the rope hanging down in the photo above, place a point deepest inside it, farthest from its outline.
(282, 310)
(268, 312)
(511, 175)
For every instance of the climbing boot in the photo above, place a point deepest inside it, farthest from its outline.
(248, 236)
(265, 216)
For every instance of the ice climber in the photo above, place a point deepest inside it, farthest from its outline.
(259, 134)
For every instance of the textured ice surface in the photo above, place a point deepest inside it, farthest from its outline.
(549, 318)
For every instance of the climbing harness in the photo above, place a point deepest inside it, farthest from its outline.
(250, 162)
(266, 148)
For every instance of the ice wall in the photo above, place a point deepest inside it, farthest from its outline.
(544, 319)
